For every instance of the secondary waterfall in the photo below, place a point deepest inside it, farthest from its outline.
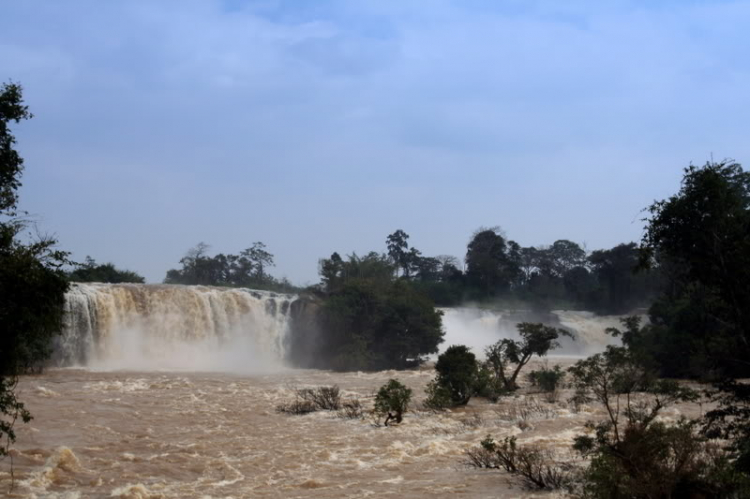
(142, 326)
(477, 328)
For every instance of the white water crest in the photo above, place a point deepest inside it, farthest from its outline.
(171, 327)
(478, 328)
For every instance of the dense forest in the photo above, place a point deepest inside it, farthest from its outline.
(497, 270)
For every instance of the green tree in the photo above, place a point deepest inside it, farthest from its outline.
(335, 271)
(398, 250)
(507, 357)
(248, 269)
(632, 453)
(260, 260)
(614, 270)
(565, 255)
(372, 324)
(700, 238)
(457, 373)
(32, 284)
(331, 272)
(489, 268)
(392, 401)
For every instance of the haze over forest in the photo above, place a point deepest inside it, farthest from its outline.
(322, 126)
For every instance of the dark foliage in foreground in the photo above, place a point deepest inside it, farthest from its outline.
(632, 453)
(537, 468)
(701, 239)
(32, 284)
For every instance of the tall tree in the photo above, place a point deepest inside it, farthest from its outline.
(330, 270)
(700, 237)
(398, 250)
(488, 267)
(566, 255)
(614, 269)
(32, 283)
(260, 259)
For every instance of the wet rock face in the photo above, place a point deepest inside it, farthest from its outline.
(304, 332)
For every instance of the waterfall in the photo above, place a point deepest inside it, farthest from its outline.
(477, 328)
(145, 326)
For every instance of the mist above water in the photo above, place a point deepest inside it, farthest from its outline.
(174, 328)
(478, 328)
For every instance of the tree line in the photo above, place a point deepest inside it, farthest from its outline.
(497, 269)
(248, 269)
(494, 270)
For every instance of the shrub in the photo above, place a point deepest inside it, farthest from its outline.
(633, 455)
(487, 385)
(658, 460)
(392, 401)
(438, 397)
(307, 400)
(352, 409)
(457, 373)
(326, 398)
(297, 407)
(537, 467)
(548, 380)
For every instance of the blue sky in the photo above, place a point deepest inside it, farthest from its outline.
(321, 126)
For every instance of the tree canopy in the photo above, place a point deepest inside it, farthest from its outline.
(701, 238)
(497, 269)
(372, 319)
(248, 269)
(90, 271)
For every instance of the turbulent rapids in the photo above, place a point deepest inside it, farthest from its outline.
(478, 328)
(178, 397)
(134, 326)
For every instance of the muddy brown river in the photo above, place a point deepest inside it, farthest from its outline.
(193, 435)
(153, 416)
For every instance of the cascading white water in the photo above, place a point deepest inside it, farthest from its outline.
(477, 328)
(142, 326)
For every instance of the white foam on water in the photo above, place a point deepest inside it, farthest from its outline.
(174, 328)
(478, 328)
